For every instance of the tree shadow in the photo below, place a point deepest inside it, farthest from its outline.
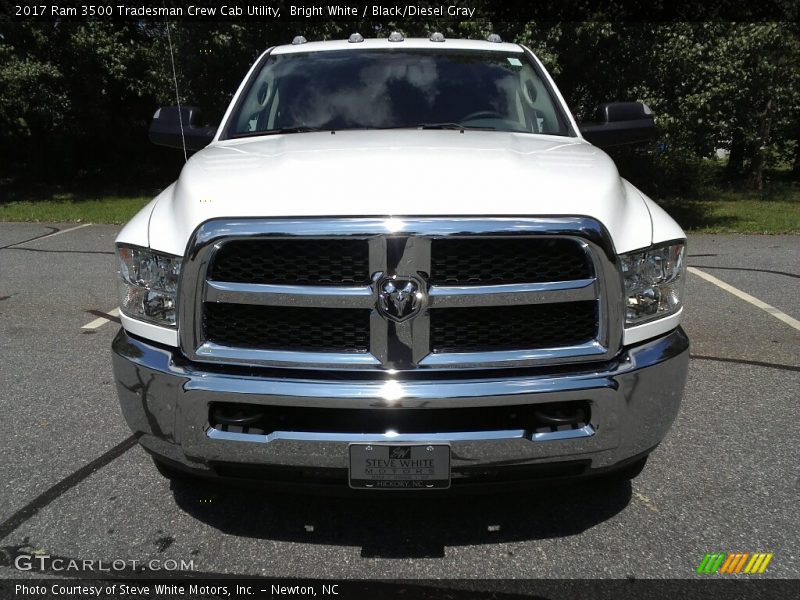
(397, 526)
(696, 214)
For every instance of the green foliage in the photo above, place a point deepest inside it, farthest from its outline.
(713, 86)
(76, 98)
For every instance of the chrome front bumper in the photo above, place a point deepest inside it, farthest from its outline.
(634, 399)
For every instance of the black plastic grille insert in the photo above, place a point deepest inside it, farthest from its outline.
(306, 261)
(513, 327)
(287, 328)
(264, 419)
(496, 261)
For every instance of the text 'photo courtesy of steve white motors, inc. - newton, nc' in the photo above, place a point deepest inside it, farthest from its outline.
(138, 590)
(245, 10)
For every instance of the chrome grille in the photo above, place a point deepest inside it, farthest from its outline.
(480, 293)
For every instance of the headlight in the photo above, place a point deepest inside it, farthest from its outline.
(148, 285)
(653, 282)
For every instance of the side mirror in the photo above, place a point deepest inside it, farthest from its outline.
(620, 123)
(165, 129)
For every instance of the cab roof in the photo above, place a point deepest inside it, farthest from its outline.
(384, 43)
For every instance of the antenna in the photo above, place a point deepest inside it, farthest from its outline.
(177, 96)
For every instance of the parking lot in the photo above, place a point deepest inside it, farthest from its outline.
(74, 484)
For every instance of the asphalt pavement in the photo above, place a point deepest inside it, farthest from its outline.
(75, 486)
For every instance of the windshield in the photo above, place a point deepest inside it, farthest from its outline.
(385, 89)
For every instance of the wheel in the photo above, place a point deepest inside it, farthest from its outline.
(169, 472)
(626, 473)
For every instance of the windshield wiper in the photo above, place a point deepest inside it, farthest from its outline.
(453, 126)
(300, 129)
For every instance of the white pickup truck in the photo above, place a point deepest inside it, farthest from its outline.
(400, 264)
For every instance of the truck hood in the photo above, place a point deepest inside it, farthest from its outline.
(399, 173)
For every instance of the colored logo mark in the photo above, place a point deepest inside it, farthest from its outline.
(735, 562)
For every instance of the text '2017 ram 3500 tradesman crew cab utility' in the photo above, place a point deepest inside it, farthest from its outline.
(400, 264)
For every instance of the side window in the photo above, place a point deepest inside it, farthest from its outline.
(538, 104)
(520, 112)
(273, 111)
(255, 110)
(507, 101)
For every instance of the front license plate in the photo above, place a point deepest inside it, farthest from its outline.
(400, 466)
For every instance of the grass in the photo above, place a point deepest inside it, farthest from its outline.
(63, 207)
(715, 212)
(738, 212)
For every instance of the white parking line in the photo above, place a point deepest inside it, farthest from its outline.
(100, 321)
(55, 233)
(781, 316)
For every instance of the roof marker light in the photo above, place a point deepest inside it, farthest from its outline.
(494, 38)
(436, 37)
(298, 39)
(396, 36)
(355, 38)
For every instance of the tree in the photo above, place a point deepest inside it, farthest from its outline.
(77, 97)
